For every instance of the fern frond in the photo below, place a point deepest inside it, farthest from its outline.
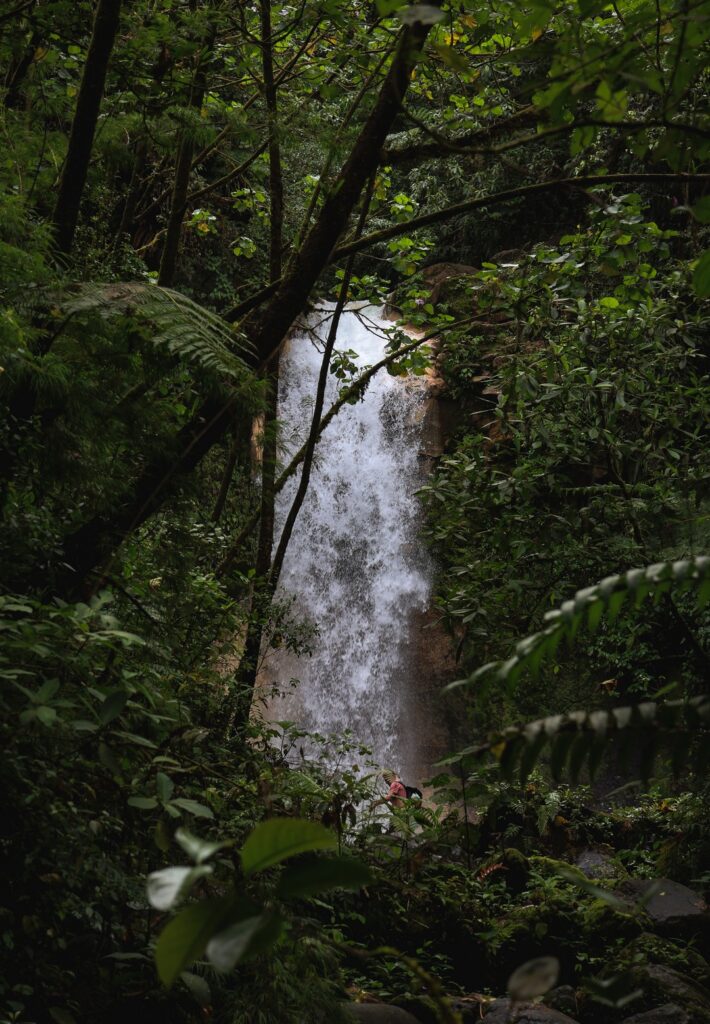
(589, 606)
(581, 737)
(186, 329)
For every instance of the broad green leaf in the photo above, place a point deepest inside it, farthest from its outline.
(113, 706)
(197, 987)
(139, 741)
(323, 874)
(701, 276)
(198, 849)
(533, 979)
(143, 803)
(184, 939)
(164, 786)
(167, 887)
(226, 948)
(46, 691)
(278, 838)
(385, 7)
(701, 210)
(47, 716)
(192, 807)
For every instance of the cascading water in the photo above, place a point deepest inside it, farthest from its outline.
(353, 566)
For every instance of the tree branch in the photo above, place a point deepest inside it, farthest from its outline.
(584, 181)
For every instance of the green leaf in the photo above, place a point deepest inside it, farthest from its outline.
(278, 838)
(228, 947)
(108, 759)
(168, 887)
(701, 210)
(534, 978)
(198, 849)
(184, 940)
(46, 691)
(323, 874)
(453, 59)
(164, 786)
(47, 716)
(198, 987)
(193, 807)
(143, 803)
(112, 706)
(701, 276)
(385, 7)
(139, 741)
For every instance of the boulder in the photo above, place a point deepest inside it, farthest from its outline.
(379, 1013)
(525, 1013)
(598, 864)
(650, 948)
(424, 1009)
(662, 985)
(674, 908)
(669, 1013)
(562, 998)
(436, 276)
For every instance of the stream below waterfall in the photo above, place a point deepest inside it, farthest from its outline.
(356, 568)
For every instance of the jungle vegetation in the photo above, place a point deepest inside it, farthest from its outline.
(180, 180)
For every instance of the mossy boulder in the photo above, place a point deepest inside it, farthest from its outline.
(421, 1007)
(662, 985)
(601, 865)
(517, 869)
(546, 928)
(678, 955)
(549, 867)
(601, 921)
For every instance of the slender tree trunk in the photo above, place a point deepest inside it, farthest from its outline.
(18, 72)
(135, 187)
(83, 129)
(229, 467)
(249, 662)
(88, 546)
(183, 167)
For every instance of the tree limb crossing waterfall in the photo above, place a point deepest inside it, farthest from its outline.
(355, 567)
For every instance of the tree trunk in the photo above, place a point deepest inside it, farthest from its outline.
(183, 167)
(83, 129)
(248, 666)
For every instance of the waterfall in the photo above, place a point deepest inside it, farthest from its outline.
(354, 566)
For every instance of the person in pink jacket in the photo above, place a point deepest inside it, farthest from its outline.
(397, 793)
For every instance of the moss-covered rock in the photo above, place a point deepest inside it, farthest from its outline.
(547, 867)
(601, 865)
(600, 920)
(661, 985)
(517, 869)
(677, 955)
(545, 928)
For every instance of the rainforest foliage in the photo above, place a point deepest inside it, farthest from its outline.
(180, 182)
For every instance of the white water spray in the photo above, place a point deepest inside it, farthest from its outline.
(353, 563)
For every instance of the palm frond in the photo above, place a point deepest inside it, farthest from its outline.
(186, 329)
(587, 608)
(581, 737)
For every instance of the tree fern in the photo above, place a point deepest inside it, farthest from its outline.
(581, 737)
(183, 327)
(588, 607)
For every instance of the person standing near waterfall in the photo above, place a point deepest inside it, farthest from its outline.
(397, 793)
